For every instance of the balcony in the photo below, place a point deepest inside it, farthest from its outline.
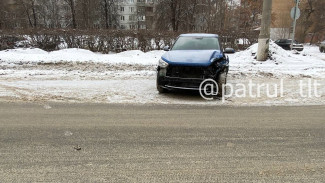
(141, 2)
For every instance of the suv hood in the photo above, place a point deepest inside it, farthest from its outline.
(192, 57)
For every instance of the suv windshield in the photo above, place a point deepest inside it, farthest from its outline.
(196, 43)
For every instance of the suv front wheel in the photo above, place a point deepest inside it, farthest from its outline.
(159, 88)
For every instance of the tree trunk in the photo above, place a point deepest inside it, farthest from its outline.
(34, 14)
(178, 14)
(73, 14)
(310, 11)
(106, 14)
(27, 13)
(312, 38)
(191, 23)
(173, 7)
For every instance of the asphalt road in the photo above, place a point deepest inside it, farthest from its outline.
(161, 143)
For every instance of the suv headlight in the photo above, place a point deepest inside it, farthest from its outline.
(163, 64)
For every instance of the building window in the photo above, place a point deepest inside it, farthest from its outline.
(132, 18)
(122, 8)
(122, 18)
(149, 9)
(132, 26)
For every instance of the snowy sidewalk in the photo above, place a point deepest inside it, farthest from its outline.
(143, 91)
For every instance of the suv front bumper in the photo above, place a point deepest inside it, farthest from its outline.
(179, 83)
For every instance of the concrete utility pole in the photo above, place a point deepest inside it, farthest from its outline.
(264, 37)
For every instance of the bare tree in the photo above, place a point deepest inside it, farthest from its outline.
(191, 15)
(2, 15)
(71, 4)
(34, 12)
(313, 19)
(49, 13)
(110, 13)
(162, 15)
(85, 11)
(29, 7)
(176, 15)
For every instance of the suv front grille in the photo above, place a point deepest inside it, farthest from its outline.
(186, 72)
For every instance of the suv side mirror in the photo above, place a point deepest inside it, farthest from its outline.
(166, 48)
(229, 50)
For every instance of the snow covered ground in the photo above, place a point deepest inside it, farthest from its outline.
(77, 75)
(308, 63)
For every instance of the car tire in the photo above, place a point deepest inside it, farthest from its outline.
(159, 88)
(322, 50)
(222, 81)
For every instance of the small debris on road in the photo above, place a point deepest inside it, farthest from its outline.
(78, 148)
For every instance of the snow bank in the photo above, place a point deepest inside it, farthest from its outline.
(78, 55)
(281, 63)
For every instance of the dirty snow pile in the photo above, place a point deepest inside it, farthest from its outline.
(280, 63)
(309, 63)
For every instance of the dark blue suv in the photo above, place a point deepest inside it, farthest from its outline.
(192, 59)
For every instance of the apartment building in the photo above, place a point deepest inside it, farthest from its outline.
(136, 14)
